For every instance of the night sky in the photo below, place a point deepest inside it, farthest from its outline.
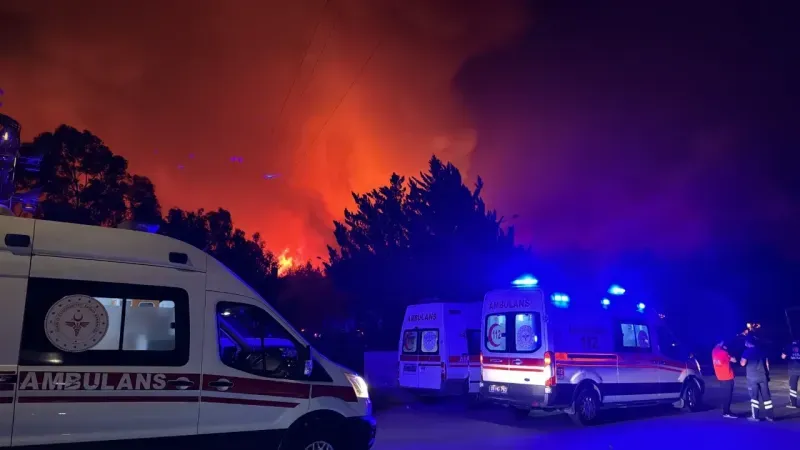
(609, 129)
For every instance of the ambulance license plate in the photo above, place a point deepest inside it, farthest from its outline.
(409, 368)
(498, 389)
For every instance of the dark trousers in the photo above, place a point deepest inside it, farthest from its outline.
(759, 389)
(793, 379)
(727, 395)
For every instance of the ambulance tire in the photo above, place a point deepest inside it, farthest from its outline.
(586, 407)
(692, 395)
(315, 429)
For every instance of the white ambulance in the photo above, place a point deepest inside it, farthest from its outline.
(112, 335)
(546, 350)
(439, 350)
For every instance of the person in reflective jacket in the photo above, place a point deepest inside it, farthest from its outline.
(757, 368)
(792, 353)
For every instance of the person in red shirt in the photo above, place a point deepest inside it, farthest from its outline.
(722, 368)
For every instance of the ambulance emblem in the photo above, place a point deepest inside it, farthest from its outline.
(76, 323)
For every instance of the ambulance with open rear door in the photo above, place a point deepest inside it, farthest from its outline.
(113, 335)
(440, 349)
(542, 349)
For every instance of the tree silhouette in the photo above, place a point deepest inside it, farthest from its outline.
(82, 181)
(214, 233)
(429, 237)
(308, 298)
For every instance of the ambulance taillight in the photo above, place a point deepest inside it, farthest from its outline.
(549, 362)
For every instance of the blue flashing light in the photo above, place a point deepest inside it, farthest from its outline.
(525, 281)
(560, 300)
(605, 302)
(640, 307)
(616, 289)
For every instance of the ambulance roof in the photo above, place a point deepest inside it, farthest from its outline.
(127, 246)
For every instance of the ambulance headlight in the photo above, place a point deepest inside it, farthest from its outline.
(359, 385)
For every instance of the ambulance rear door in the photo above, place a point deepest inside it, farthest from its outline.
(513, 350)
(15, 264)
(420, 355)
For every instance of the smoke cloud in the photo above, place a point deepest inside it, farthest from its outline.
(332, 95)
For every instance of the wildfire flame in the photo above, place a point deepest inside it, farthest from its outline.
(285, 262)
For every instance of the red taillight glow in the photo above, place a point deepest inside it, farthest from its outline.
(549, 361)
(548, 358)
(481, 358)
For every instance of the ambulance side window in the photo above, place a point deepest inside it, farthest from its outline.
(252, 341)
(668, 345)
(633, 337)
(87, 323)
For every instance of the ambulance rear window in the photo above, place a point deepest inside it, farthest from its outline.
(430, 341)
(410, 341)
(513, 332)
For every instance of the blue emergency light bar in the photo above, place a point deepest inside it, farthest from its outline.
(525, 281)
(616, 289)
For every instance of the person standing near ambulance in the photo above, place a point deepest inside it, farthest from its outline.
(722, 369)
(757, 367)
(792, 353)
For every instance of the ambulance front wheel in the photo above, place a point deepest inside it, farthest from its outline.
(316, 440)
(692, 396)
(587, 405)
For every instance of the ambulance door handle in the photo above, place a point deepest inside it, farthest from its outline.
(180, 383)
(220, 385)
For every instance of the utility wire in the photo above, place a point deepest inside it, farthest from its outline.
(321, 54)
(346, 93)
(299, 68)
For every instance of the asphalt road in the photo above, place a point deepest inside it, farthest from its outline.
(452, 424)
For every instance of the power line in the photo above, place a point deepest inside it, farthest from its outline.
(321, 54)
(350, 88)
(299, 68)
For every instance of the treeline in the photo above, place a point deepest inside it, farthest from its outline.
(428, 236)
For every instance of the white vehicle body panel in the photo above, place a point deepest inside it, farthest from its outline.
(154, 370)
(434, 350)
(616, 348)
